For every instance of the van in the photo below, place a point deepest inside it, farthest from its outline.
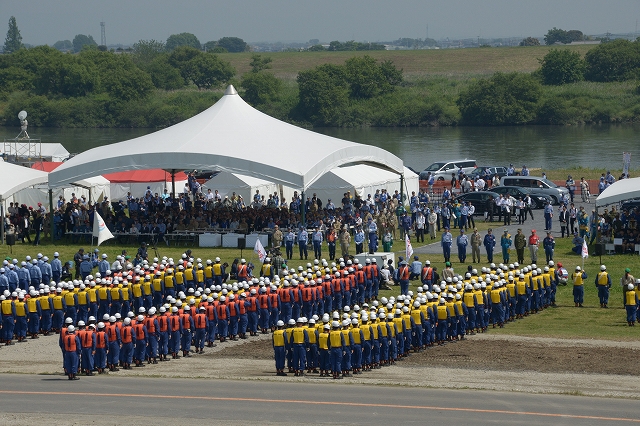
(442, 170)
(538, 184)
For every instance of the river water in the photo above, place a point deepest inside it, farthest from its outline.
(547, 147)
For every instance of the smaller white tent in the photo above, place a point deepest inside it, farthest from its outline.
(360, 179)
(246, 186)
(94, 189)
(622, 190)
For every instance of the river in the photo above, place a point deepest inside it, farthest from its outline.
(547, 147)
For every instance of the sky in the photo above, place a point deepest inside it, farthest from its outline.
(127, 21)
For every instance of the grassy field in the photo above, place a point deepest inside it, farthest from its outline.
(565, 321)
(414, 62)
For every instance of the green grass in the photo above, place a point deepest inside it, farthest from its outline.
(414, 62)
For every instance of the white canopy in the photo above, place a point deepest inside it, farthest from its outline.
(13, 178)
(229, 136)
(360, 179)
(246, 186)
(622, 190)
(53, 151)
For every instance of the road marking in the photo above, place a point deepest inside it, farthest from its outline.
(335, 403)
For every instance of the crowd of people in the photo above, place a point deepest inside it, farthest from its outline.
(326, 317)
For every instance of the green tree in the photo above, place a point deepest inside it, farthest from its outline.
(145, 51)
(617, 60)
(555, 35)
(63, 45)
(118, 75)
(260, 87)
(80, 41)
(233, 44)
(316, 48)
(258, 63)
(323, 94)
(561, 67)
(13, 42)
(530, 41)
(163, 74)
(574, 35)
(368, 79)
(208, 71)
(182, 39)
(500, 100)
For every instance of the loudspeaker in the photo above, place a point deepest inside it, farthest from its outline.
(242, 243)
(599, 249)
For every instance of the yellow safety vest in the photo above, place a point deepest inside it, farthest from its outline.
(278, 338)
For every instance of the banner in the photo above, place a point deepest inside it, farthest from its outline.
(585, 249)
(626, 162)
(259, 249)
(100, 229)
(408, 248)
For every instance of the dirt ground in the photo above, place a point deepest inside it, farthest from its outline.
(497, 354)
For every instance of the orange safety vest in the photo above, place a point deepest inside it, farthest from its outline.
(222, 312)
(139, 328)
(253, 304)
(101, 340)
(150, 324)
(70, 343)
(87, 339)
(285, 295)
(186, 321)
(175, 322)
(201, 321)
(273, 298)
(125, 334)
(163, 323)
(307, 295)
(404, 273)
(112, 333)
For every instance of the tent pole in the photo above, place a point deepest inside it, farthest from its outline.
(302, 206)
(173, 184)
(2, 226)
(51, 211)
(400, 202)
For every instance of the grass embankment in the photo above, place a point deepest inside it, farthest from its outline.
(286, 65)
(565, 321)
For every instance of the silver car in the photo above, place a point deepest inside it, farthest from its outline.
(539, 184)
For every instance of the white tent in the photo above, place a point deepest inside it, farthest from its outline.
(37, 150)
(360, 179)
(14, 178)
(622, 190)
(246, 186)
(229, 136)
(94, 189)
(53, 152)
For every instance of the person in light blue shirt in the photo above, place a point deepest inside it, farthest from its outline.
(103, 266)
(358, 238)
(373, 236)
(45, 269)
(445, 241)
(462, 241)
(317, 243)
(524, 171)
(416, 268)
(511, 170)
(289, 239)
(548, 216)
(303, 240)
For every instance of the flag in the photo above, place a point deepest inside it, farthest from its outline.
(408, 248)
(585, 249)
(100, 229)
(259, 249)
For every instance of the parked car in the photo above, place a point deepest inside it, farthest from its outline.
(488, 170)
(539, 200)
(479, 199)
(442, 170)
(540, 184)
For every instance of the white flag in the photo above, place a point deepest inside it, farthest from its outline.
(585, 249)
(100, 229)
(258, 248)
(408, 247)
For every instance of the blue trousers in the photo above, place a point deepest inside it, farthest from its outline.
(603, 294)
(578, 294)
(87, 359)
(71, 362)
(336, 360)
(186, 341)
(279, 355)
(100, 358)
(200, 337)
(299, 357)
(114, 353)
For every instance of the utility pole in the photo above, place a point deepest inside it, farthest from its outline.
(103, 35)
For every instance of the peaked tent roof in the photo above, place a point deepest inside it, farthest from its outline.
(229, 136)
(622, 190)
(15, 178)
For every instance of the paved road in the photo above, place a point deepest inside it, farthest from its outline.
(122, 400)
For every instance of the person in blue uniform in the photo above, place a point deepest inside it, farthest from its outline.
(289, 239)
(56, 268)
(299, 341)
(280, 340)
(358, 238)
(337, 348)
(71, 349)
(549, 245)
(489, 244)
(506, 242)
(446, 241)
(462, 242)
(317, 243)
(372, 227)
(603, 284)
(303, 240)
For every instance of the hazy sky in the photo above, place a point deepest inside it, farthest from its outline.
(127, 21)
